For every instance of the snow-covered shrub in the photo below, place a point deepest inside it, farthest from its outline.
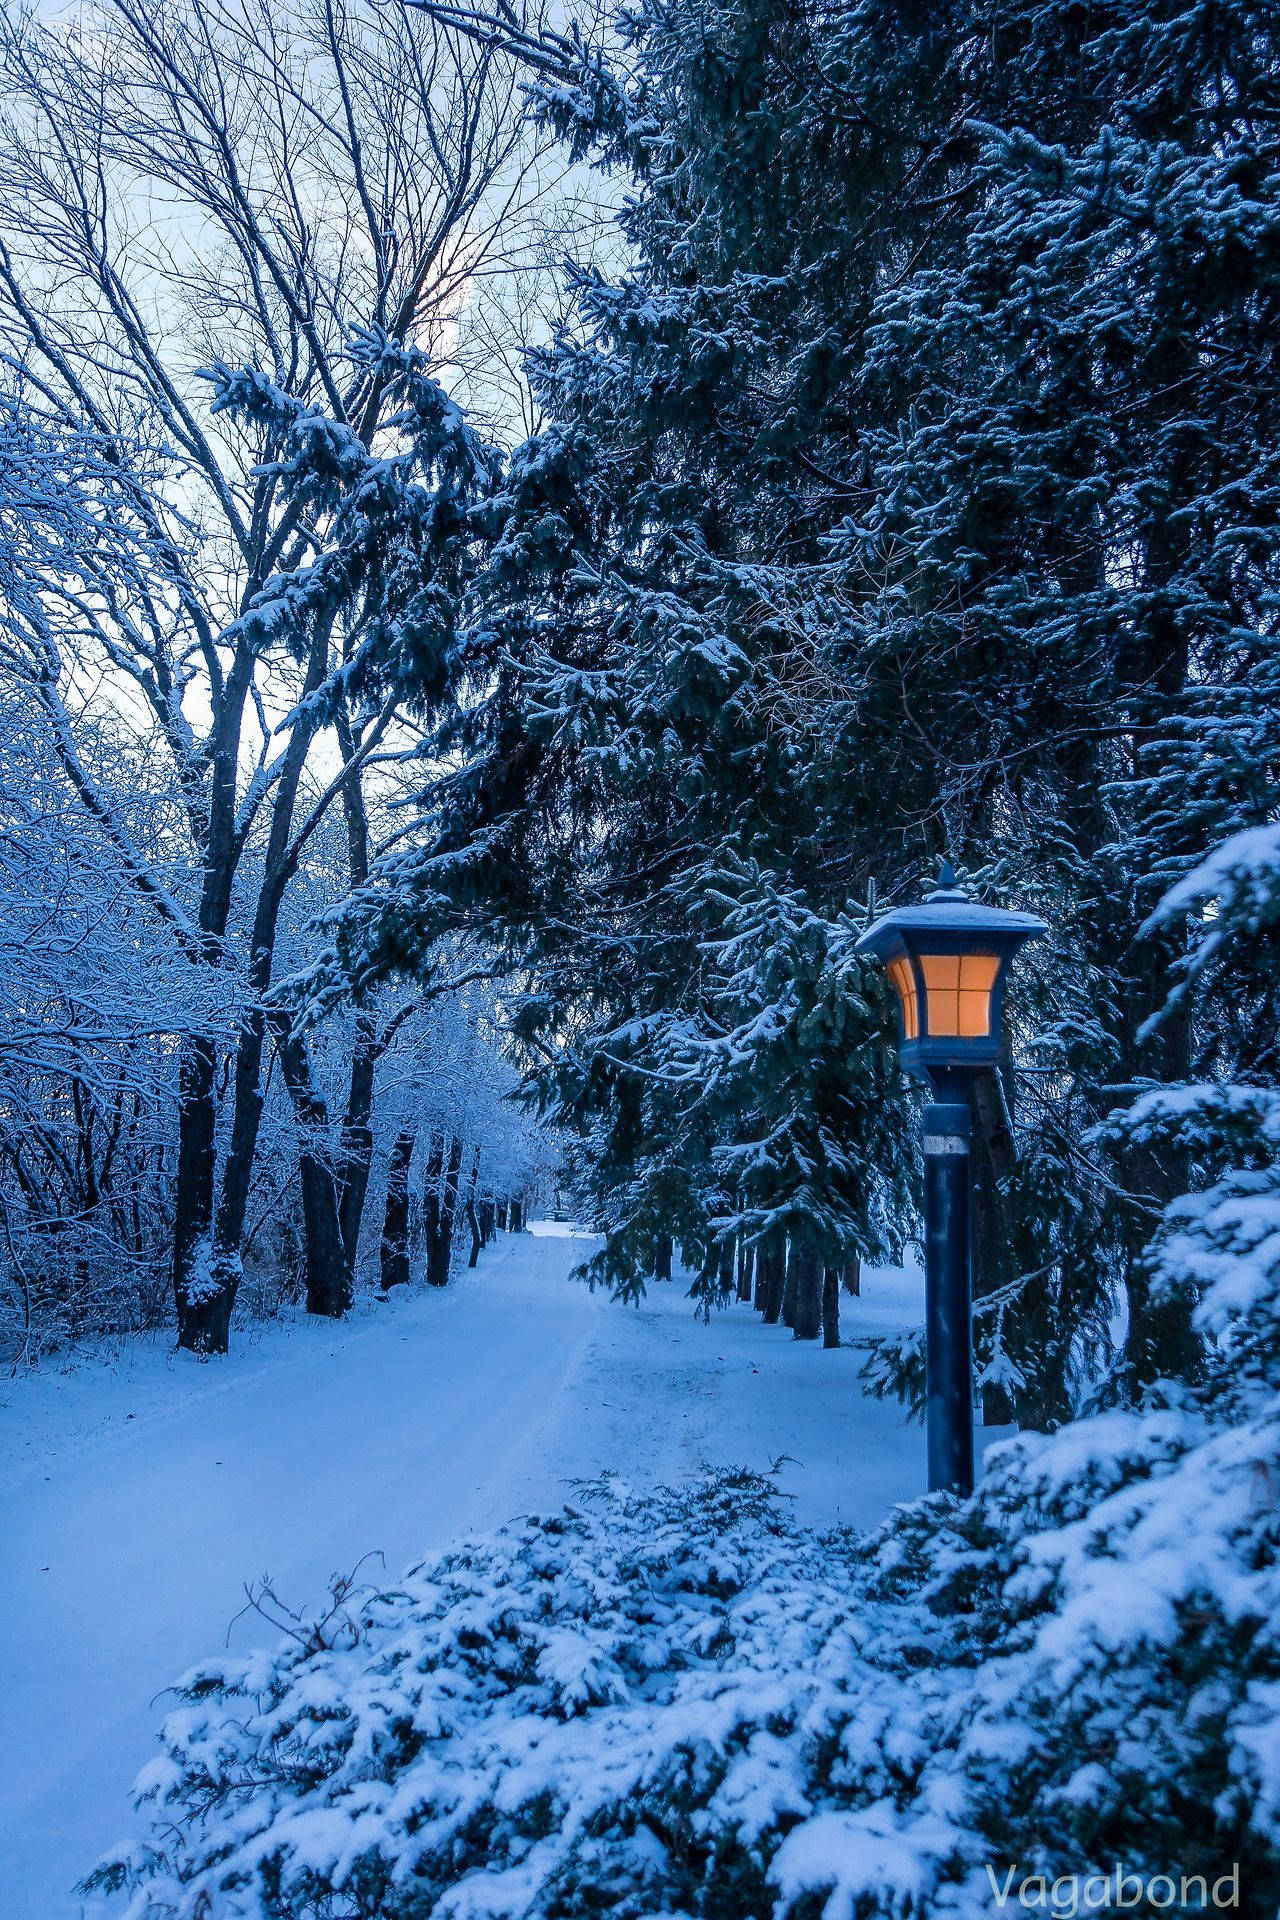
(684, 1705)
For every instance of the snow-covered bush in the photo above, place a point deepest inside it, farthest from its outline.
(684, 1705)
(681, 1706)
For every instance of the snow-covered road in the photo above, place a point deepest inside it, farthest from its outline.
(136, 1501)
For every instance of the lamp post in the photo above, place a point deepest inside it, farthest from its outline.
(948, 959)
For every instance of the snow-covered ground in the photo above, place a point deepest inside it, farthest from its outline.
(138, 1498)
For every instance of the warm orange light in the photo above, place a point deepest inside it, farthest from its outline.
(958, 989)
(905, 981)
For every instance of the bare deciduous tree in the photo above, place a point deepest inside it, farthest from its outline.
(202, 184)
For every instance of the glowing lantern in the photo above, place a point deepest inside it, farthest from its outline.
(947, 959)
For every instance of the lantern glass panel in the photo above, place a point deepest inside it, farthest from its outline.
(958, 987)
(904, 980)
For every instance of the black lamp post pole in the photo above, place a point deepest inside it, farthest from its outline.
(948, 1339)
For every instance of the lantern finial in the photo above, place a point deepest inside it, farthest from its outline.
(948, 887)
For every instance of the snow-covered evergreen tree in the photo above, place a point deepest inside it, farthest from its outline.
(909, 489)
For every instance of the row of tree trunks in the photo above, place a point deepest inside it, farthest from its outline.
(788, 1281)
(784, 1276)
(443, 1204)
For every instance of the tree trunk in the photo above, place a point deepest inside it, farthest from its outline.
(439, 1209)
(999, 1254)
(773, 1258)
(831, 1307)
(452, 1186)
(517, 1216)
(278, 864)
(205, 1289)
(1002, 1248)
(433, 1206)
(473, 1221)
(395, 1222)
(1161, 1339)
(806, 1309)
(793, 1259)
(203, 1312)
(706, 1280)
(662, 1251)
(329, 1284)
(329, 1278)
(746, 1260)
(851, 1274)
(356, 1144)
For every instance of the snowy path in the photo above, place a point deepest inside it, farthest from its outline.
(135, 1502)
